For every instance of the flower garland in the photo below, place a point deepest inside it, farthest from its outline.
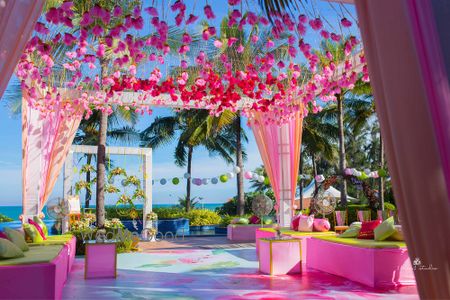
(108, 46)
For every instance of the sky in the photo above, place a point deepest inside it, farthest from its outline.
(163, 162)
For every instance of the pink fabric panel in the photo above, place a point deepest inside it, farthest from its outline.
(71, 250)
(100, 261)
(372, 267)
(17, 21)
(262, 234)
(286, 258)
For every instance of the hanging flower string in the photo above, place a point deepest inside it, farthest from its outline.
(108, 54)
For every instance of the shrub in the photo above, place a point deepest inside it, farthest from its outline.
(169, 212)
(389, 206)
(226, 219)
(4, 218)
(201, 217)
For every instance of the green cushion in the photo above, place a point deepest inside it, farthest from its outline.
(351, 232)
(54, 240)
(9, 250)
(42, 254)
(42, 224)
(385, 229)
(267, 220)
(363, 243)
(397, 235)
(243, 221)
(32, 233)
(17, 238)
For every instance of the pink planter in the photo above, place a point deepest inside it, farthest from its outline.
(100, 260)
(375, 267)
(244, 233)
(280, 257)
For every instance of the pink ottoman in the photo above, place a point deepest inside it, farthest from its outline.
(100, 260)
(244, 233)
(376, 264)
(280, 257)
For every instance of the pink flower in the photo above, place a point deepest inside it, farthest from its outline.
(301, 28)
(335, 37)
(270, 44)
(191, 19)
(280, 64)
(346, 23)
(208, 12)
(240, 49)
(116, 74)
(41, 28)
(97, 30)
(235, 14)
(68, 39)
(231, 41)
(184, 64)
(325, 34)
(234, 2)
(152, 57)
(291, 40)
(152, 11)
(200, 82)
(186, 39)
(101, 50)
(255, 39)
(316, 24)
(302, 19)
(292, 51)
(132, 70)
(117, 11)
(212, 30)
(264, 21)
(252, 18)
(71, 55)
(183, 49)
(218, 44)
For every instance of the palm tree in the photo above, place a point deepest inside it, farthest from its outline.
(193, 128)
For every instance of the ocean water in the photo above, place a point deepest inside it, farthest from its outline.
(15, 211)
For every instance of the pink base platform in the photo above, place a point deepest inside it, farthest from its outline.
(38, 281)
(280, 257)
(373, 267)
(243, 233)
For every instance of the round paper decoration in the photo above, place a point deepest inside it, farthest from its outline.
(214, 180)
(175, 180)
(255, 176)
(262, 205)
(230, 175)
(187, 175)
(197, 181)
(205, 181)
(223, 178)
(367, 171)
(248, 175)
(261, 179)
(348, 171)
(236, 170)
(266, 181)
(163, 181)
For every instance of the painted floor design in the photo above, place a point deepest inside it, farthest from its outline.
(214, 274)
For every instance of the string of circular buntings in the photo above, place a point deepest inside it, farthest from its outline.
(101, 51)
(361, 175)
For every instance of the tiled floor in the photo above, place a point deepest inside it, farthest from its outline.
(171, 272)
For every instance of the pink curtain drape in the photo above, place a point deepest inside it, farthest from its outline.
(411, 90)
(267, 138)
(46, 141)
(17, 21)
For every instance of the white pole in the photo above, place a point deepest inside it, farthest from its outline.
(67, 187)
(147, 168)
(285, 209)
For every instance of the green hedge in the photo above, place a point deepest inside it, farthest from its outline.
(123, 246)
(201, 217)
(4, 218)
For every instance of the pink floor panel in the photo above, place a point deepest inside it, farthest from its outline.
(214, 274)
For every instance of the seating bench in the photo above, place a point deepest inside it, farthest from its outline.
(373, 263)
(304, 236)
(41, 273)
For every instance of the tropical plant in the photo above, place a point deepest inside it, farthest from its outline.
(202, 217)
(4, 218)
(193, 128)
(182, 202)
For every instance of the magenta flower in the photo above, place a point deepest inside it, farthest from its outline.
(117, 11)
(264, 21)
(325, 34)
(184, 64)
(270, 44)
(41, 28)
(346, 23)
(302, 19)
(234, 2)
(101, 50)
(254, 39)
(335, 37)
(69, 39)
(97, 30)
(152, 11)
(231, 41)
(186, 39)
(86, 19)
(316, 24)
(218, 44)
(183, 49)
(209, 12)
(191, 19)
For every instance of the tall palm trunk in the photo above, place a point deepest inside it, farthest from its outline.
(381, 179)
(188, 183)
(342, 162)
(88, 196)
(101, 160)
(240, 175)
(314, 166)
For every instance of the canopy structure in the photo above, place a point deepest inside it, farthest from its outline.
(308, 193)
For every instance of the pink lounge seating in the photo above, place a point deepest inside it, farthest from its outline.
(280, 257)
(303, 236)
(43, 280)
(244, 233)
(376, 265)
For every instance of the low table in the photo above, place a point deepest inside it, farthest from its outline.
(280, 256)
(100, 259)
(244, 233)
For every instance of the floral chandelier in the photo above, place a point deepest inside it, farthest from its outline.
(100, 51)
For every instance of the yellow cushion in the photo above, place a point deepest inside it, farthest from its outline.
(42, 224)
(32, 233)
(384, 230)
(362, 243)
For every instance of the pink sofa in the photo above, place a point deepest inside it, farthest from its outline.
(25, 279)
(376, 264)
(244, 233)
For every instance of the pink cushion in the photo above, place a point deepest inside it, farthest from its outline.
(39, 229)
(294, 222)
(254, 220)
(321, 225)
(306, 223)
(3, 236)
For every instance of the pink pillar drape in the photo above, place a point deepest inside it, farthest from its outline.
(267, 138)
(17, 21)
(411, 90)
(46, 141)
